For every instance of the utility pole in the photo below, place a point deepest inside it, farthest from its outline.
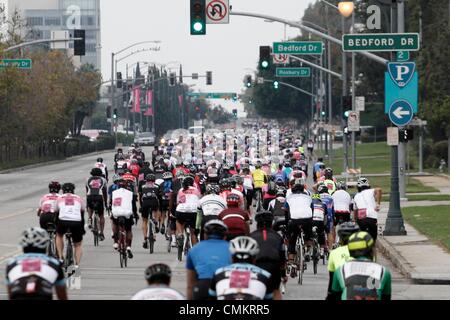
(153, 103)
(127, 111)
(344, 93)
(394, 222)
(330, 92)
(113, 91)
(353, 96)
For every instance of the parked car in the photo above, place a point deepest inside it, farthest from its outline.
(145, 139)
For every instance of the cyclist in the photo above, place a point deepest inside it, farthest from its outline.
(319, 220)
(158, 278)
(120, 164)
(342, 202)
(159, 168)
(280, 174)
(242, 280)
(287, 169)
(236, 219)
(328, 180)
(122, 207)
(310, 147)
(248, 187)
(340, 255)
(209, 207)
(97, 198)
(176, 186)
(366, 205)
(271, 193)
(102, 167)
(276, 206)
(149, 200)
(135, 168)
(70, 219)
(327, 200)
(143, 172)
(213, 173)
(205, 258)
(132, 183)
(298, 207)
(48, 205)
(33, 275)
(259, 179)
(165, 193)
(271, 256)
(317, 167)
(236, 190)
(361, 278)
(186, 212)
(118, 154)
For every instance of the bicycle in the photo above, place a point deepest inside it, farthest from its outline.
(151, 234)
(258, 201)
(184, 244)
(51, 249)
(316, 249)
(123, 256)
(95, 227)
(69, 254)
(299, 261)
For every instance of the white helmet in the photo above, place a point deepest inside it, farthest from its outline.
(244, 248)
(35, 238)
(363, 182)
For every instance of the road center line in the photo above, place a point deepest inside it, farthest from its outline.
(16, 214)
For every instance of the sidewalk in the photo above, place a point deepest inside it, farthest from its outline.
(416, 256)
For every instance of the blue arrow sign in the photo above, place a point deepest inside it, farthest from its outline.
(401, 72)
(401, 113)
(409, 93)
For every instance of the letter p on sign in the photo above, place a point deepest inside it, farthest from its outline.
(402, 71)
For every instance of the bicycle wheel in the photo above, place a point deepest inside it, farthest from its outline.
(180, 249)
(121, 257)
(301, 260)
(151, 240)
(68, 261)
(95, 229)
(316, 256)
(169, 245)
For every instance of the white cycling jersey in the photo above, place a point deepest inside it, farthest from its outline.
(212, 205)
(299, 205)
(342, 201)
(158, 293)
(70, 207)
(49, 203)
(102, 167)
(122, 203)
(365, 200)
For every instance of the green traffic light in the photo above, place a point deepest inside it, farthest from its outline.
(198, 26)
(347, 114)
(265, 64)
(276, 84)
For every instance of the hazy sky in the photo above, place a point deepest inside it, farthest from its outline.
(227, 49)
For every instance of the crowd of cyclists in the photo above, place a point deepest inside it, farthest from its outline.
(215, 204)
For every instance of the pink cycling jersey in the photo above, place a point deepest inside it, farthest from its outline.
(49, 203)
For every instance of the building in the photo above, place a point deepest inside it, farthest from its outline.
(43, 16)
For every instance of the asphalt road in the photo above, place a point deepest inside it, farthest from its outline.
(101, 275)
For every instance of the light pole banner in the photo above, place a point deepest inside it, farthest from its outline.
(149, 102)
(180, 100)
(137, 100)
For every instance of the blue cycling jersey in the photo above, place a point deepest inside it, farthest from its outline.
(328, 201)
(317, 166)
(208, 256)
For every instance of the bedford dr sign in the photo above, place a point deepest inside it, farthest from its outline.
(301, 47)
(381, 42)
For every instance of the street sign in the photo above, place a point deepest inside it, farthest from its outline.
(409, 93)
(217, 11)
(293, 72)
(401, 72)
(401, 113)
(280, 59)
(354, 121)
(402, 56)
(392, 136)
(360, 104)
(381, 42)
(300, 47)
(213, 95)
(16, 63)
(59, 35)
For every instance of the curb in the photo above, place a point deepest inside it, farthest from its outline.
(42, 164)
(404, 266)
(443, 176)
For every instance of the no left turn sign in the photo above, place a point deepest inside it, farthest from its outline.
(217, 11)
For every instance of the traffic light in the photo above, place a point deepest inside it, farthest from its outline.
(119, 80)
(405, 135)
(79, 45)
(323, 113)
(209, 78)
(264, 56)
(235, 113)
(346, 106)
(198, 17)
(248, 81)
(108, 112)
(173, 79)
(276, 85)
(115, 115)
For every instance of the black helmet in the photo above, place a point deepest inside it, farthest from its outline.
(146, 164)
(193, 169)
(361, 244)
(328, 173)
(119, 150)
(54, 187)
(225, 184)
(322, 188)
(346, 229)
(150, 177)
(215, 228)
(68, 187)
(264, 218)
(100, 160)
(96, 172)
(188, 182)
(158, 271)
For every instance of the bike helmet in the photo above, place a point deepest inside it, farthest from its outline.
(264, 217)
(360, 244)
(150, 177)
(119, 150)
(281, 192)
(363, 182)
(158, 271)
(346, 229)
(100, 160)
(35, 238)
(212, 189)
(244, 248)
(322, 188)
(216, 228)
(146, 164)
(116, 178)
(167, 176)
(341, 185)
(316, 196)
(180, 174)
(258, 165)
(193, 169)
(298, 185)
(239, 179)
(233, 200)
(328, 173)
(225, 184)
(68, 187)
(188, 182)
(134, 161)
(96, 172)
(54, 187)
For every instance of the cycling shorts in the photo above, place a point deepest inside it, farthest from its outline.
(294, 231)
(187, 218)
(164, 204)
(75, 227)
(369, 225)
(128, 222)
(96, 203)
(47, 218)
(200, 290)
(341, 217)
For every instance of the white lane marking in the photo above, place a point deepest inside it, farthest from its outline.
(16, 214)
